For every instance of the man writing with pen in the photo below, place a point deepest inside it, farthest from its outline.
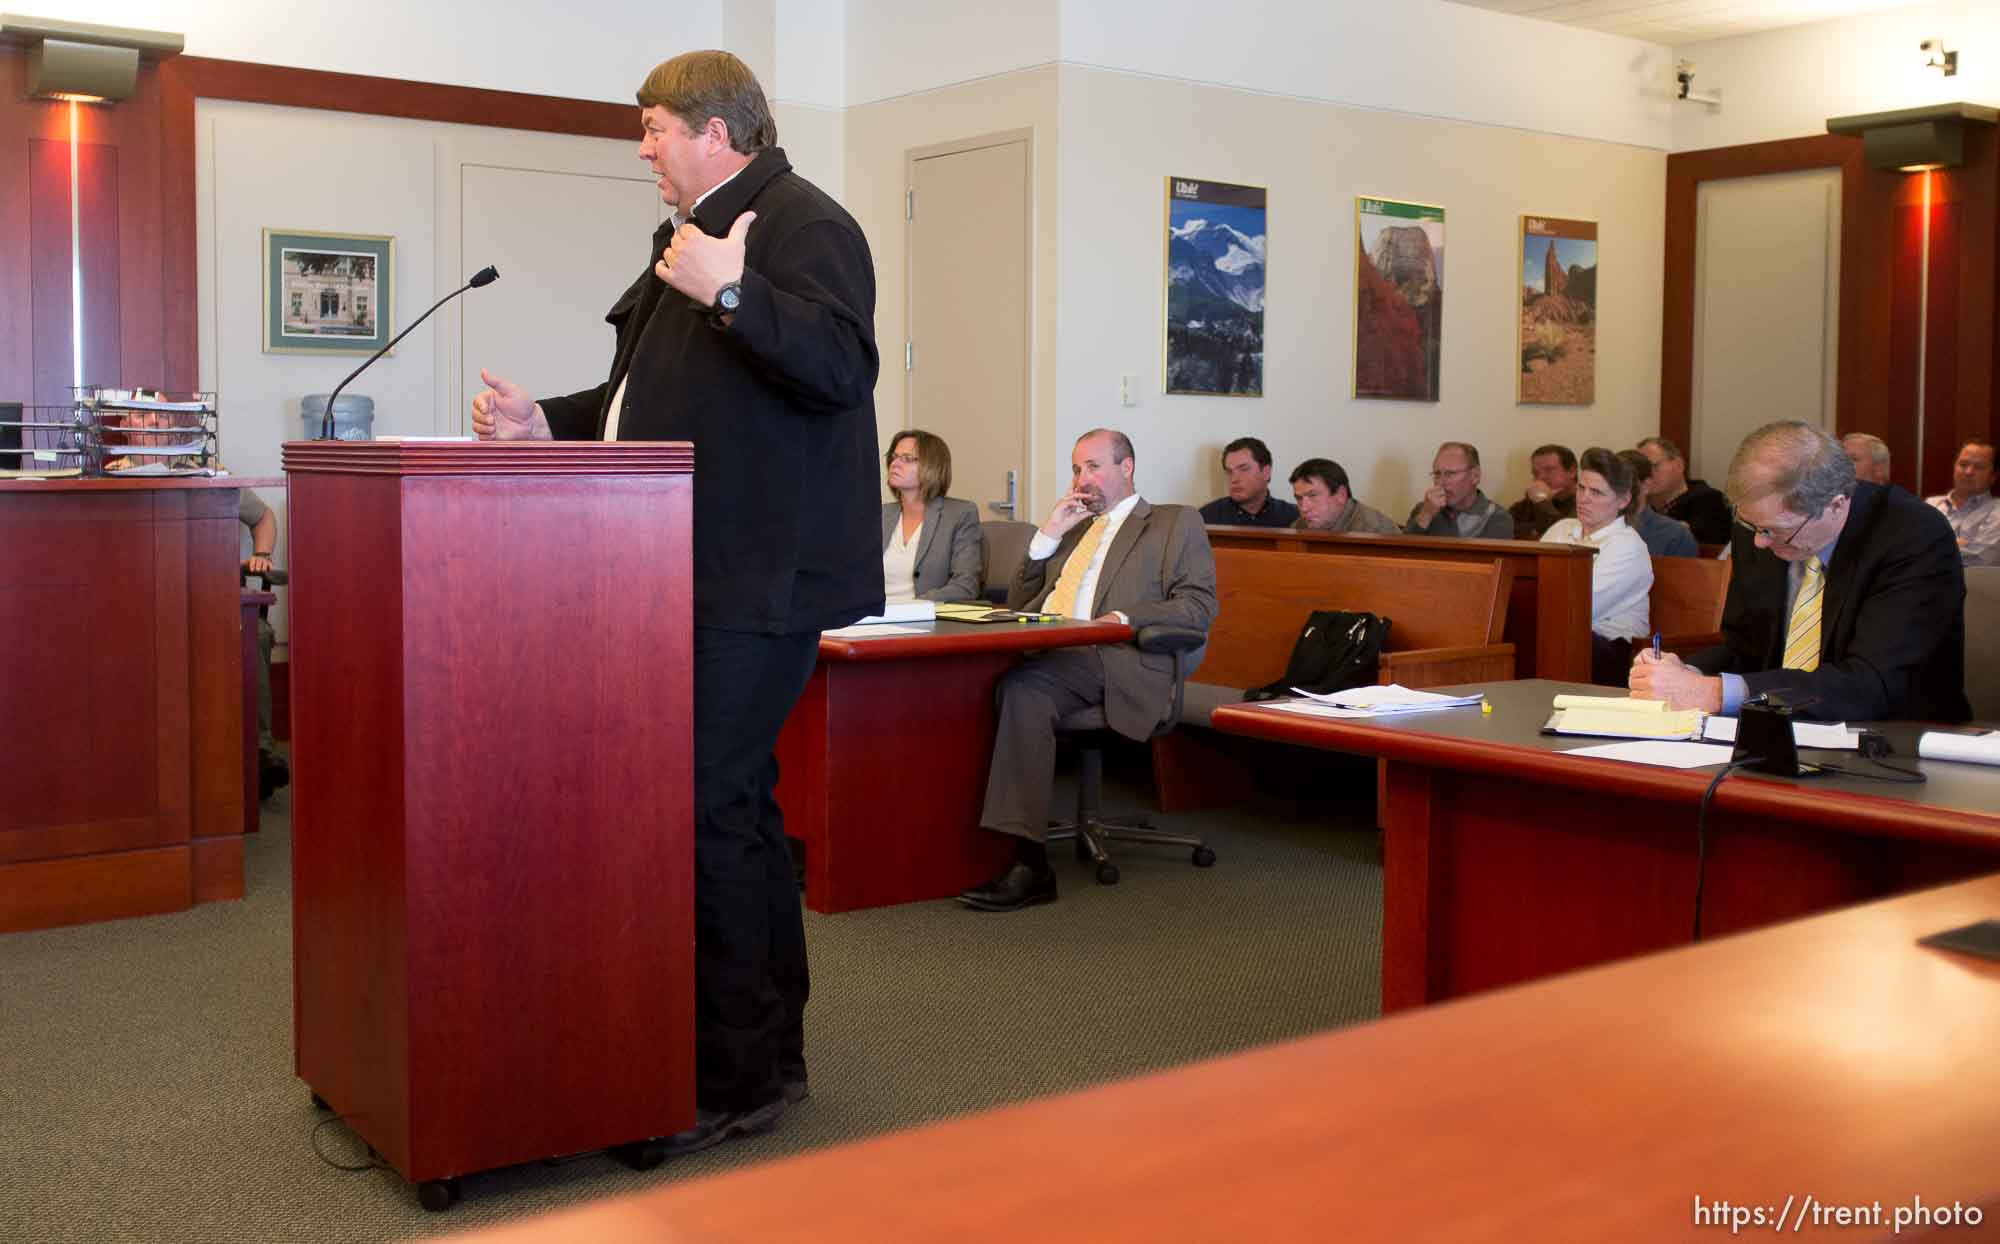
(1108, 554)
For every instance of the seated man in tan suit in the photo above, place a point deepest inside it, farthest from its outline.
(1133, 562)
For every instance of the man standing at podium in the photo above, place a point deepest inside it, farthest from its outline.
(750, 333)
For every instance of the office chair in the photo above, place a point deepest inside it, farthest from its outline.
(1088, 730)
(1003, 544)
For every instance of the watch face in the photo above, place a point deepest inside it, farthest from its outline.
(729, 297)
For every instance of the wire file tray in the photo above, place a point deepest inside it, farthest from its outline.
(140, 432)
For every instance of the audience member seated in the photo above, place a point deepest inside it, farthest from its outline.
(262, 520)
(930, 542)
(1969, 506)
(1326, 503)
(1133, 562)
(1847, 600)
(1246, 464)
(1621, 576)
(1664, 537)
(1551, 494)
(1869, 454)
(1692, 501)
(1454, 506)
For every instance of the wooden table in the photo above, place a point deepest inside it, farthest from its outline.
(882, 765)
(1548, 602)
(1505, 860)
(121, 710)
(1831, 1058)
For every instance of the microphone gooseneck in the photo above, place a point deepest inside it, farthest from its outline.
(485, 276)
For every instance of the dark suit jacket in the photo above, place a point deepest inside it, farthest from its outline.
(950, 551)
(780, 406)
(1158, 570)
(1892, 625)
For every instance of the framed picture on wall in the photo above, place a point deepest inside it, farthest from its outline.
(1558, 312)
(1398, 299)
(1215, 288)
(328, 293)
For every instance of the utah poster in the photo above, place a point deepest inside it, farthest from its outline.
(1558, 312)
(1398, 299)
(1215, 288)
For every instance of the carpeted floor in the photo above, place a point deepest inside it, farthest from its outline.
(146, 1091)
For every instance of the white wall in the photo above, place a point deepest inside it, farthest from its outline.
(1786, 83)
(1122, 134)
(901, 47)
(1423, 57)
(597, 50)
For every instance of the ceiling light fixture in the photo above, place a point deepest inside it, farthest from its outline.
(82, 62)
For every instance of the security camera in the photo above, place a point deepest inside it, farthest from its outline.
(1937, 57)
(1684, 74)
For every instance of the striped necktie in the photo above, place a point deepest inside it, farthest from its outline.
(1063, 599)
(1802, 636)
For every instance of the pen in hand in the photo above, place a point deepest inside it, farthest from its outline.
(1656, 646)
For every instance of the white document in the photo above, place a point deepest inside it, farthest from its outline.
(1610, 704)
(1311, 709)
(867, 630)
(1394, 698)
(1656, 752)
(902, 611)
(1827, 734)
(1977, 749)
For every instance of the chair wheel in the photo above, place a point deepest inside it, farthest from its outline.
(1107, 874)
(438, 1195)
(640, 1155)
(1204, 858)
(319, 1103)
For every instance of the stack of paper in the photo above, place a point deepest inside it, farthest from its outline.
(1978, 749)
(903, 611)
(1394, 698)
(1822, 734)
(1621, 717)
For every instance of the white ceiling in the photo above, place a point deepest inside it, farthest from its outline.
(1674, 22)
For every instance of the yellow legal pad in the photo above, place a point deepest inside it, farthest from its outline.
(1621, 717)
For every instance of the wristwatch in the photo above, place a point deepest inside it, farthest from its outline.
(729, 297)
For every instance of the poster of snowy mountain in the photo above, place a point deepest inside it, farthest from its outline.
(1215, 288)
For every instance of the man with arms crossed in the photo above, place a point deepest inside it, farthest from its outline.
(1246, 465)
(1106, 553)
(1847, 601)
(1970, 508)
(750, 333)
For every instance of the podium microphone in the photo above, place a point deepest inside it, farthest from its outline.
(485, 276)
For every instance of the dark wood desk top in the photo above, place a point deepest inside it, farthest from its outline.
(1958, 802)
(140, 483)
(945, 639)
(1831, 1057)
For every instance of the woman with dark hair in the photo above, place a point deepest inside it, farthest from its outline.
(1621, 579)
(932, 547)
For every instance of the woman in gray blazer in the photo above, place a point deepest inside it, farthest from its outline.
(932, 546)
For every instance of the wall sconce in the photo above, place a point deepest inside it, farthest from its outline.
(81, 62)
(1915, 140)
(1939, 58)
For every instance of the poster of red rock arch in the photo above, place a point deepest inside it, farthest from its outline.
(1398, 299)
(1558, 312)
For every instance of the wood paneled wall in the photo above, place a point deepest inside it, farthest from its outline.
(136, 206)
(1882, 362)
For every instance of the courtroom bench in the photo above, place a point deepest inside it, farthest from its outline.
(1685, 604)
(1547, 606)
(1445, 621)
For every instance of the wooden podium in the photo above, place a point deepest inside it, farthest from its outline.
(492, 856)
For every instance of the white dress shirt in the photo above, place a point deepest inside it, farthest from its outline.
(1043, 547)
(899, 563)
(1976, 524)
(1621, 580)
(618, 398)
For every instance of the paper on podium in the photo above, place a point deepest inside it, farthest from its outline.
(871, 630)
(1659, 752)
(901, 611)
(1394, 698)
(1977, 749)
(1833, 735)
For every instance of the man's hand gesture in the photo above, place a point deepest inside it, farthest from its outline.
(698, 265)
(505, 412)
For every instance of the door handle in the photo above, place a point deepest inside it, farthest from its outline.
(1008, 506)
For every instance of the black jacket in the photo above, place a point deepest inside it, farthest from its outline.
(780, 406)
(1706, 512)
(1892, 625)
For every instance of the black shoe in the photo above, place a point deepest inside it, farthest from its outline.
(272, 773)
(797, 1090)
(712, 1127)
(1020, 886)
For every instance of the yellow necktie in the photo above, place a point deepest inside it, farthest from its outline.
(1802, 636)
(1063, 599)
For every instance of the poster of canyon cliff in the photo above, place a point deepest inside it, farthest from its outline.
(1398, 299)
(1215, 288)
(1558, 312)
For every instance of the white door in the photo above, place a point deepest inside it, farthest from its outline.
(969, 274)
(1766, 309)
(567, 244)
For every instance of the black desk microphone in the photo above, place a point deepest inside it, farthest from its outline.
(485, 276)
